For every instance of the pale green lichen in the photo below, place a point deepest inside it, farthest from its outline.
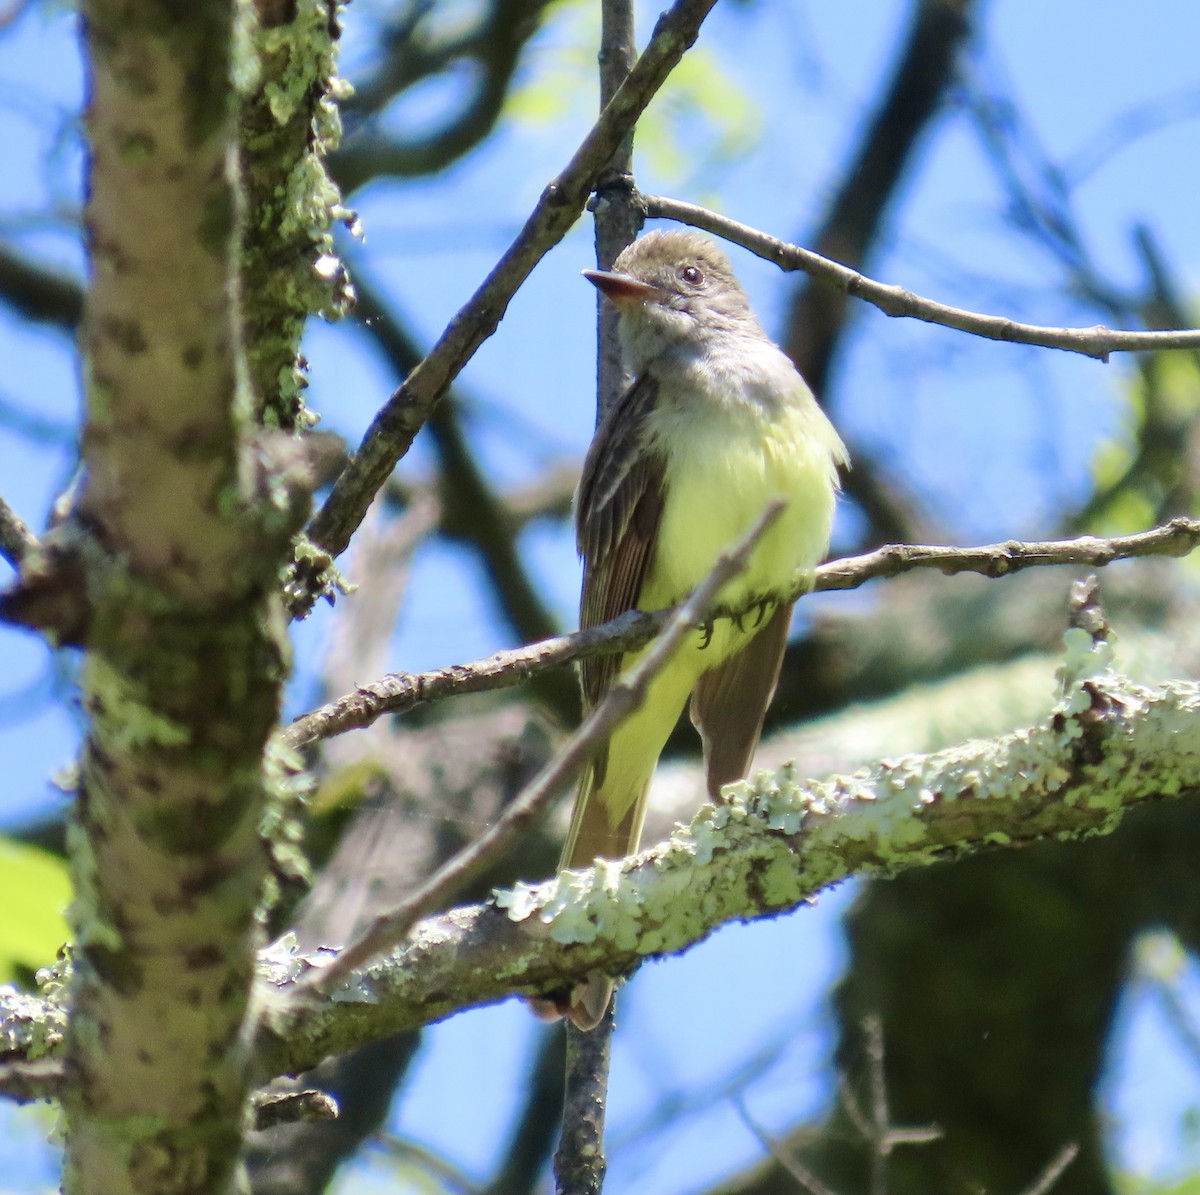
(31, 1027)
(789, 802)
(288, 786)
(84, 912)
(245, 65)
(287, 77)
(522, 900)
(593, 904)
(129, 724)
(1084, 656)
(312, 571)
(771, 843)
(780, 883)
(706, 833)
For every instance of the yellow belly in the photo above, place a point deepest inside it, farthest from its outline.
(723, 470)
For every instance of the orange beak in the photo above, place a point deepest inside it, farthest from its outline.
(622, 290)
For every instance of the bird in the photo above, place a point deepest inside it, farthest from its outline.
(715, 426)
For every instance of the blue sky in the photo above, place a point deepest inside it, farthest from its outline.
(994, 438)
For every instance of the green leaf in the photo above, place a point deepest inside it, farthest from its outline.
(35, 889)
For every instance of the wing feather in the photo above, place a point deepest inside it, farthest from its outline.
(730, 701)
(618, 513)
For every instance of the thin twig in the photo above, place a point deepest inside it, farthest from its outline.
(1098, 341)
(805, 1177)
(881, 1116)
(392, 431)
(1054, 1170)
(16, 540)
(390, 928)
(412, 1153)
(877, 1130)
(1176, 538)
(579, 1162)
(470, 507)
(618, 216)
(853, 1108)
(400, 691)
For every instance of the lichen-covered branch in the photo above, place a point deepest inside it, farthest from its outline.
(288, 125)
(32, 1028)
(181, 527)
(768, 847)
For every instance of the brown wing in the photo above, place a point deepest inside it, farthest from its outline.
(730, 701)
(617, 516)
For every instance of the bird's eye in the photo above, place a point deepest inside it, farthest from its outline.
(692, 275)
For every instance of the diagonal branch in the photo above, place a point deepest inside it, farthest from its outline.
(1098, 341)
(398, 421)
(39, 292)
(471, 504)
(400, 691)
(391, 927)
(486, 54)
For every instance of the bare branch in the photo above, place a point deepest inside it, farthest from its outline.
(579, 1163)
(618, 215)
(391, 927)
(39, 292)
(394, 427)
(801, 1173)
(469, 503)
(400, 691)
(27, 1081)
(1176, 538)
(1054, 1171)
(877, 1130)
(1098, 342)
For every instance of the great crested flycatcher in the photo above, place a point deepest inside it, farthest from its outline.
(716, 425)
